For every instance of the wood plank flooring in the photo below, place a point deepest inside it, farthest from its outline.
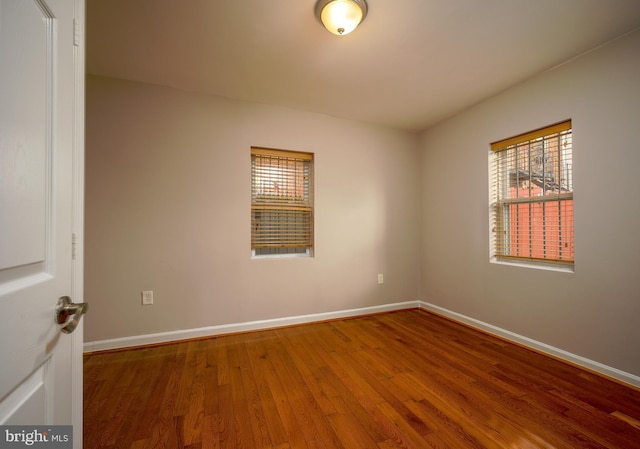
(407, 379)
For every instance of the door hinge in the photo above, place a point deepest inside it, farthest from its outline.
(76, 33)
(74, 244)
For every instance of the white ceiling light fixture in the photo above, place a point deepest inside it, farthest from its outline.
(341, 17)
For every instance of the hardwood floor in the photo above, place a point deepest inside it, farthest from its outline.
(406, 379)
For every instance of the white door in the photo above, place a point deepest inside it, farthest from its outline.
(41, 183)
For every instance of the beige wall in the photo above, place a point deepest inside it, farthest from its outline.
(167, 209)
(594, 312)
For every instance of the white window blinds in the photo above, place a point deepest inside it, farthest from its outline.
(281, 201)
(532, 195)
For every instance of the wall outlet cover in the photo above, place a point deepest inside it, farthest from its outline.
(147, 297)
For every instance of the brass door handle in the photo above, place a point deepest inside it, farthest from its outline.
(66, 308)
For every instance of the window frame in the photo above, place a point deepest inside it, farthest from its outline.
(282, 203)
(553, 198)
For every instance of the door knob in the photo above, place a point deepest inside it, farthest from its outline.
(66, 308)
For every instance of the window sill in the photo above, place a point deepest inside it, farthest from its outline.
(537, 265)
(281, 256)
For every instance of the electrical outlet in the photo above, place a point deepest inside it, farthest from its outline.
(380, 279)
(147, 297)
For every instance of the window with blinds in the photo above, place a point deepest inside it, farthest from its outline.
(281, 202)
(532, 196)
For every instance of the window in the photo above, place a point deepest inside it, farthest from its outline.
(532, 197)
(281, 202)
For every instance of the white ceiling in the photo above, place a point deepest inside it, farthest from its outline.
(410, 64)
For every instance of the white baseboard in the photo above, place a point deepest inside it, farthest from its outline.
(210, 331)
(591, 365)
